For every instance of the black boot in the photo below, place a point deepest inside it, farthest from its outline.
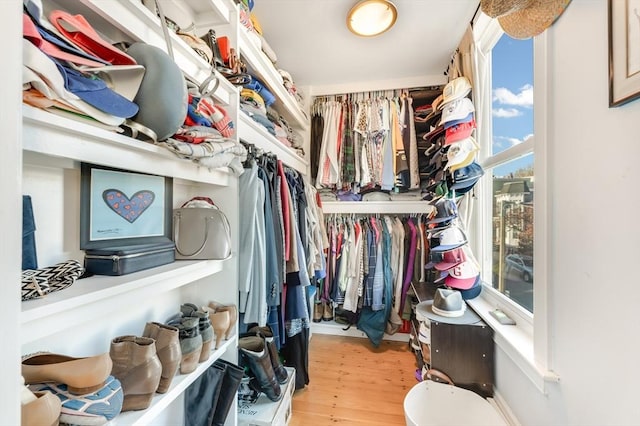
(278, 368)
(255, 354)
(230, 383)
(202, 396)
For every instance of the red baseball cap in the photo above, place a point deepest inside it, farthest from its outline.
(31, 33)
(458, 132)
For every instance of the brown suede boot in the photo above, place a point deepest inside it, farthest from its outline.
(168, 351)
(137, 367)
(327, 313)
(318, 307)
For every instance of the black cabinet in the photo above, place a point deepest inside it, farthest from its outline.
(465, 353)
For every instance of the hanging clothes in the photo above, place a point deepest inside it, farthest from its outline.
(367, 143)
(251, 280)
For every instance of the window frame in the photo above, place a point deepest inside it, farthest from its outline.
(527, 344)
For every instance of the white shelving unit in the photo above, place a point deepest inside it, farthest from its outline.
(254, 133)
(250, 131)
(94, 297)
(63, 138)
(82, 319)
(260, 65)
(377, 207)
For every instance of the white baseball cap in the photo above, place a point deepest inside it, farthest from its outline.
(455, 89)
(450, 238)
(457, 110)
(461, 153)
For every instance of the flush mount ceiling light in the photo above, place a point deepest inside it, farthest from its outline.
(369, 18)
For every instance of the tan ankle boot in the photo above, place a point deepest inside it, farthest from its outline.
(233, 315)
(220, 321)
(137, 367)
(167, 349)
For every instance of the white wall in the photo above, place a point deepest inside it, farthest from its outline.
(595, 285)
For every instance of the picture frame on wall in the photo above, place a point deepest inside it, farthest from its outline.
(624, 51)
(121, 207)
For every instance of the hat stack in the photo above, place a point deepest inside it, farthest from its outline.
(451, 147)
(68, 68)
(451, 260)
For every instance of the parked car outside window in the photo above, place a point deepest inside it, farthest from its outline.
(521, 263)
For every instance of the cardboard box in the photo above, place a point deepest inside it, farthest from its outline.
(265, 412)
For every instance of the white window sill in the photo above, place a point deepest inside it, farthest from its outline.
(515, 340)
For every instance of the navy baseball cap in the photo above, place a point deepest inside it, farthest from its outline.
(467, 176)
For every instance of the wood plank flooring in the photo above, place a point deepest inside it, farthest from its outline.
(353, 383)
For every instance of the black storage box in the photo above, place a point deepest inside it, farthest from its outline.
(464, 352)
(121, 260)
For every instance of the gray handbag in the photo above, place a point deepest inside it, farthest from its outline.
(201, 231)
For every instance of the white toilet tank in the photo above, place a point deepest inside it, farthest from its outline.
(437, 404)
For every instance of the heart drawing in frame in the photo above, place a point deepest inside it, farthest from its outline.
(129, 209)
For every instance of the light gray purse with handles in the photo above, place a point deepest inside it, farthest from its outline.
(201, 231)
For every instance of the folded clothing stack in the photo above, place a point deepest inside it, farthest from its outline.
(252, 104)
(291, 87)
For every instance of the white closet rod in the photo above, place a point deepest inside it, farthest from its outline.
(394, 93)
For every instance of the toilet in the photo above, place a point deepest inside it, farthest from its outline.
(431, 403)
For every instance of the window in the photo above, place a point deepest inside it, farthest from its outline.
(509, 164)
(503, 225)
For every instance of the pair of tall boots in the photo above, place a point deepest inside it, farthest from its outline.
(259, 353)
(210, 397)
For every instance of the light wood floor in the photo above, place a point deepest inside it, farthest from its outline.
(352, 383)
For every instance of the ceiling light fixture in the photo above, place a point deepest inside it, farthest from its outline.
(369, 18)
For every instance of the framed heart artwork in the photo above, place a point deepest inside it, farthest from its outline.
(123, 207)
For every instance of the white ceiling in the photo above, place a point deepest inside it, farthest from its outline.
(313, 44)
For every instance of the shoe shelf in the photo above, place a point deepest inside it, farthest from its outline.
(264, 412)
(253, 132)
(131, 20)
(381, 207)
(335, 329)
(94, 298)
(259, 64)
(178, 385)
(52, 135)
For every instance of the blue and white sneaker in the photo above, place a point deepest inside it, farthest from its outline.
(92, 409)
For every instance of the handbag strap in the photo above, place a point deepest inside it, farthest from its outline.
(204, 86)
(206, 199)
(165, 29)
(176, 236)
